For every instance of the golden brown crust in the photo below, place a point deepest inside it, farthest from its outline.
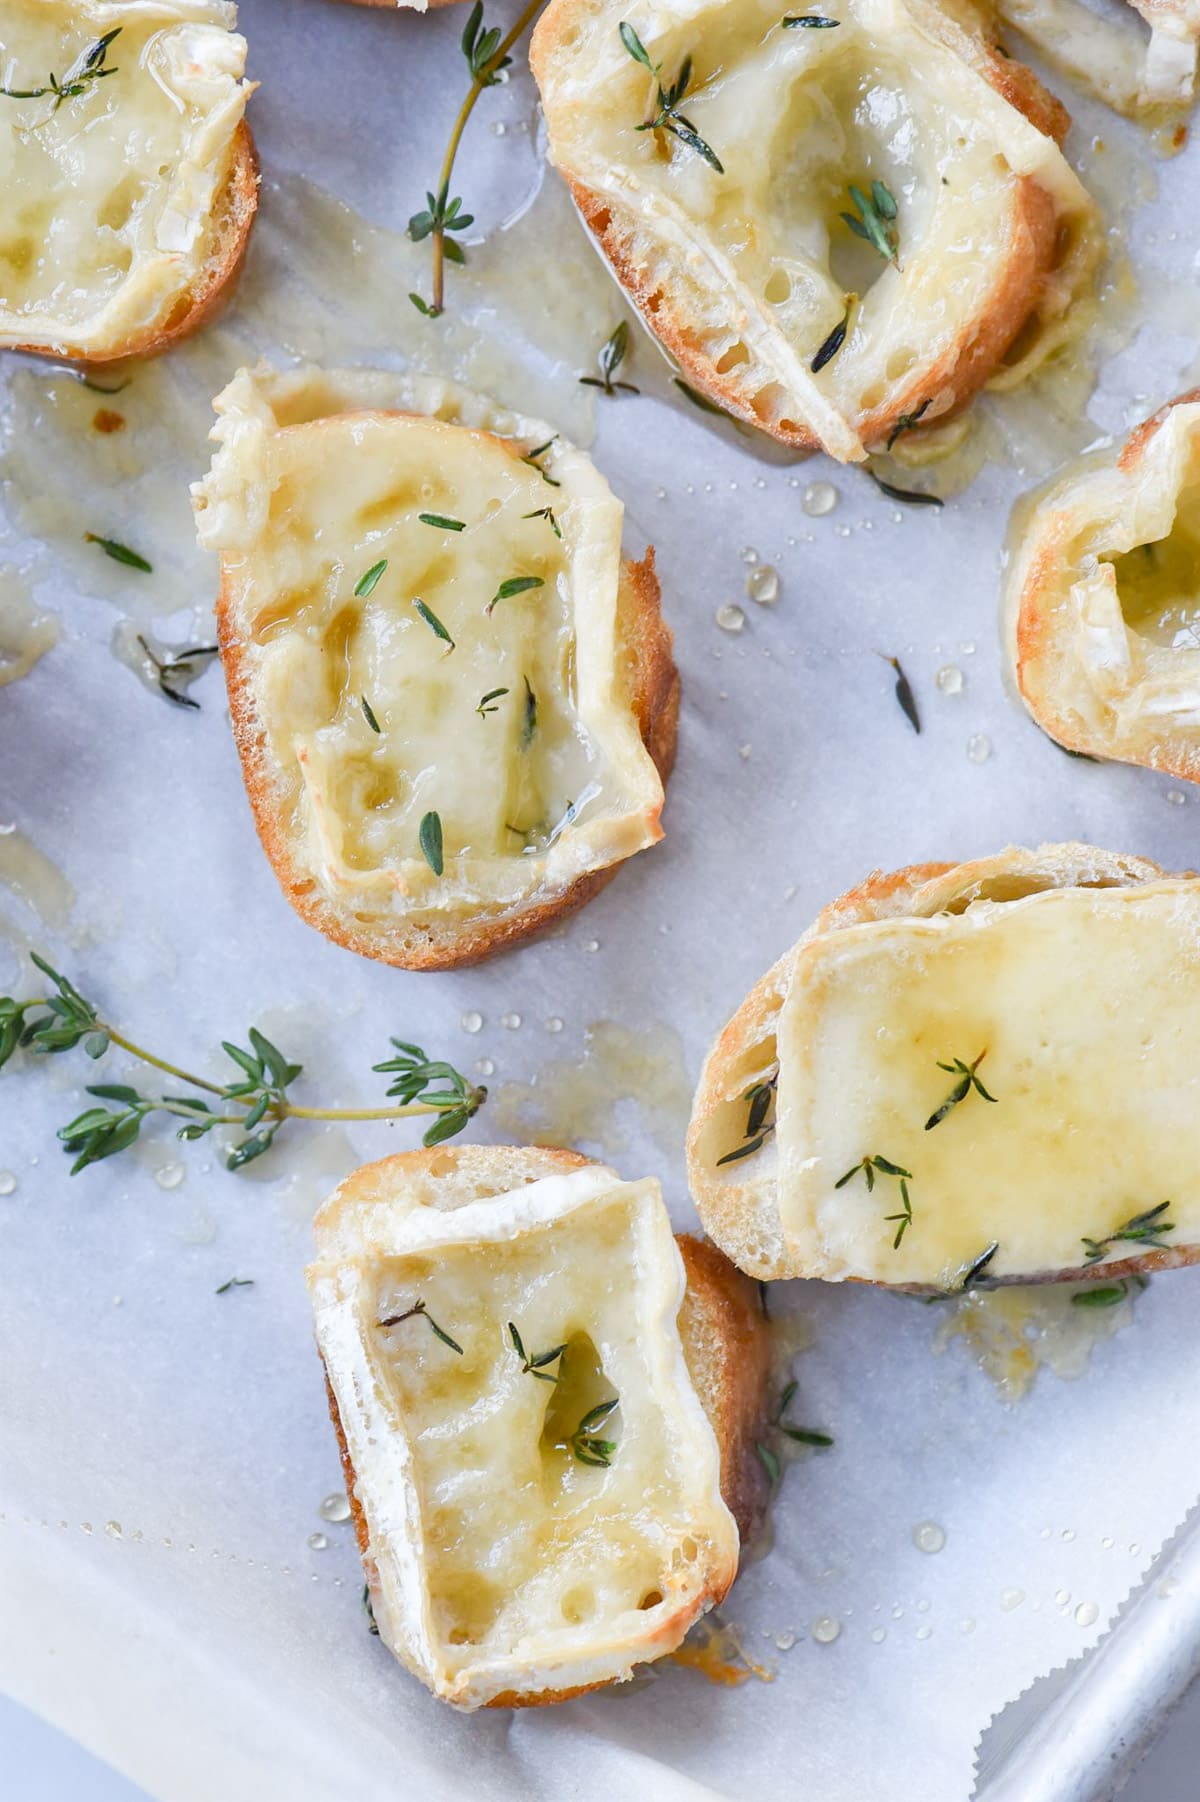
(213, 286)
(653, 691)
(726, 1345)
(1032, 255)
(1033, 644)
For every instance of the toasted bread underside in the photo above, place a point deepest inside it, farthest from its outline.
(726, 1345)
(1098, 682)
(1048, 254)
(739, 1202)
(210, 289)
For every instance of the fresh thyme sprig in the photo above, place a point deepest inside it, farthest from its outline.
(1144, 1229)
(609, 359)
(905, 698)
(668, 117)
(875, 220)
(176, 673)
(120, 553)
(759, 1095)
(546, 513)
(867, 1167)
(486, 702)
(537, 1366)
(89, 67)
(906, 422)
(584, 1443)
(967, 1080)
(419, 1308)
(534, 460)
(486, 53)
(256, 1102)
(767, 1456)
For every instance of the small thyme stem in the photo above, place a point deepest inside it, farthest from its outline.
(359, 1113)
(460, 125)
(148, 1057)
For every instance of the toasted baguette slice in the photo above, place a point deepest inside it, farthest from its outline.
(1102, 600)
(1068, 978)
(1141, 75)
(142, 181)
(773, 306)
(534, 725)
(474, 1306)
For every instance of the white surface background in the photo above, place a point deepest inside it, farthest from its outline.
(200, 1420)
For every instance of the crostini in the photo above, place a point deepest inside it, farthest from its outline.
(455, 704)
(831, 269)
(966, 1073)
(1102, 598)
(547, 1410)
(128, 173)
(1141, 62)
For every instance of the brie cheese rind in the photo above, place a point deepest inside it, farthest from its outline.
(1102, 599)
(1114, 58)
(503, 1567)
(117, 215)
(1070, 977)
(521, 727)
(746, 275)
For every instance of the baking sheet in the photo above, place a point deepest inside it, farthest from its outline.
(165, 1448)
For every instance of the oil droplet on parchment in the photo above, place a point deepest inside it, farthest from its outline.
(335, 1507)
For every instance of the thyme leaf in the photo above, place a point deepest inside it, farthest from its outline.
(419, 1307)
(906, 422)
(904, 695)
(533, 458)
(529, 723)
(759, 1096)
(441, 520)
(492, 695)
(1143, 1229)
(367, 583)
(967, 1080)
(837, 337)
(120, 553)
(972, 1274)
(435, 625)
(513, 586)
(235, 1282)
(913, 497)
(813, 21)
(609, 360)
(369, 714)
(430, 837)
(537, 1366)
(867, 1168)
(546, 513)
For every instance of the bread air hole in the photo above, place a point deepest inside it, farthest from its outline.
(651, 1599)
(1158, 584)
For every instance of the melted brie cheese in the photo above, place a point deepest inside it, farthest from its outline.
(108, 198)
(503, 716)
(759, 255)
(1113, 56)
(505, 1561)
(1086, 1006)
(1103, 600)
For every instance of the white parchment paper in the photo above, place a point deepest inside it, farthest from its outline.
(165, 1448)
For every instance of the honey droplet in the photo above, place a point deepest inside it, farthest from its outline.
(762, 584)
(950, 679)
(979, 747)
(819, 498)
(826, 1629)
(730, 618)
(1087, 1614)
(472, 1022)
(335, 1507)
(511, 1021)
(317, 1542)
(8, 1183)
(928, 1536)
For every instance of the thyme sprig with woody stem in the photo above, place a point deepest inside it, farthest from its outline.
(88, 68)
(256, 1102)
(419, 1308)
(175, 672)
(759, 1097)
(767, 1456)
(668, 117)
(487, 54)
(1144, 1230)
(967, 1080)
(536, 1364)
(609, 359)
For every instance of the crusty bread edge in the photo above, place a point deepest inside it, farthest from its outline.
(719, 1303)
(233, 217)
(645, 645)
(1032, 636)
(965, 366)
(732, 1211)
